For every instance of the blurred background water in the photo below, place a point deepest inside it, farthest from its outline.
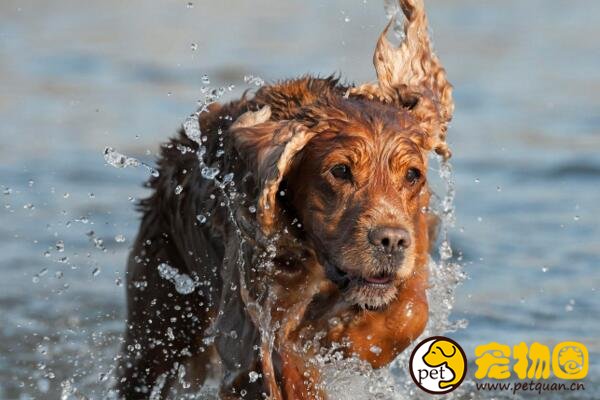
(78, 76)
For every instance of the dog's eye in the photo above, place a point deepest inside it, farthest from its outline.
(341, 171)
(413, 175)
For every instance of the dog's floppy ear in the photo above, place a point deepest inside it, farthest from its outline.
(412, 77)
(269, 148)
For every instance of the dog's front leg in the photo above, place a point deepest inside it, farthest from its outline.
(269, 372)
(300, 378)
(379, 336)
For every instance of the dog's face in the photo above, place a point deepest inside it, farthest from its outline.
(359, 185)
(359, 189)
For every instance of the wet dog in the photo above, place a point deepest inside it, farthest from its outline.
(297, 223)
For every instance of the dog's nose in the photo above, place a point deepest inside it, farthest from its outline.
(391, 240)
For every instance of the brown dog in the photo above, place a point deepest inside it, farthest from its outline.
(319, 238)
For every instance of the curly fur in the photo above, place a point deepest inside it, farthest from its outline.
(263, 279)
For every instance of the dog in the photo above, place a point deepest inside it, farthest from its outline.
(297, 224)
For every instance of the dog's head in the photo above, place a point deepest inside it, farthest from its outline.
(350, 168)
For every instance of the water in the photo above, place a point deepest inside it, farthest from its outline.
(526, 74)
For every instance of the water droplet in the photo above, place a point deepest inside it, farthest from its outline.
(254, 80)
(252, 209)
(477, 180)
(120, 238)
(209, 173)
(178, 189)
(29, 206)
(576, 218)
(445, 251)
(7, 191)
(253, 375)
(544, 269)
(183, 283)
(228, 179)
(96, 271)
(98, 243)
(346, 19)
(204, 79)
(190, 5)
(118, 160)
(201, 218)
(191, 126)
(60, 246)
(375, 350)
(194, 46)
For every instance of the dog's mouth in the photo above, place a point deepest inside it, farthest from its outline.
(372, 292)
(343, 279)
(382, 279)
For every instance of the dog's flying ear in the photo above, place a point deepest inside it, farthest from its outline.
(269, 148)
(412, 77)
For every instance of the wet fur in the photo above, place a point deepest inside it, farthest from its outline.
(298, 282)
(170, 233)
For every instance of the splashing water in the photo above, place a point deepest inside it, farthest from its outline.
(254, 80)
(184, 284)
(118, 160)
(393, 11)
(444, 277)
(227, 186)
